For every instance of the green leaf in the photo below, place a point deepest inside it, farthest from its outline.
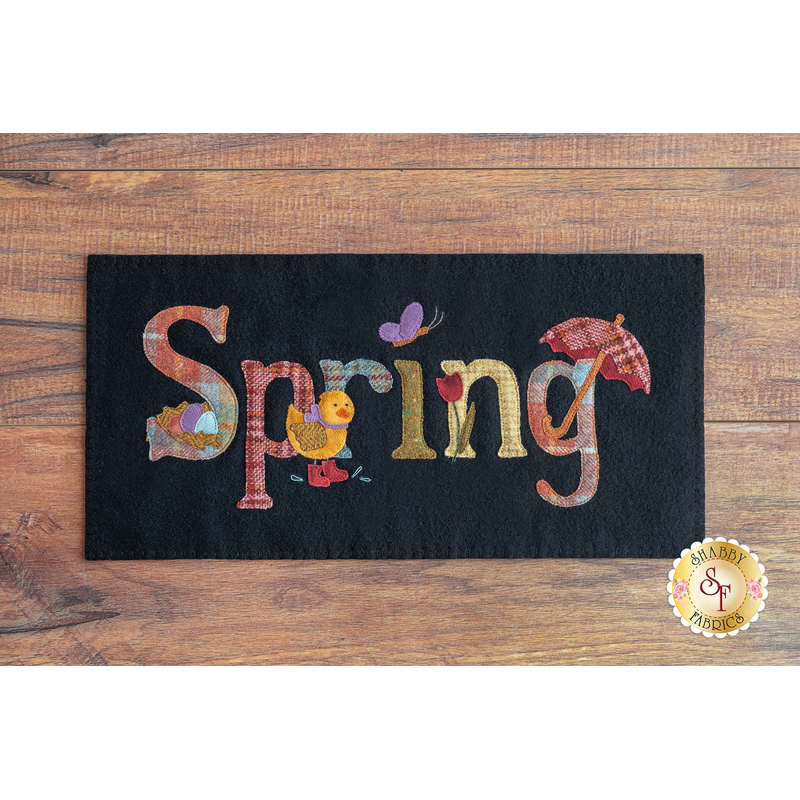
(466, 429)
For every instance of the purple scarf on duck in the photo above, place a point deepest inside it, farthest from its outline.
(315, 416)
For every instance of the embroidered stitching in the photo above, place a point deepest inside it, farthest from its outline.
(558, 433)
(338, 375)
(322, 435)
(320, 438)
(508, 398)
(466, 428)
(216, 391)
(451, 390)
(199, 440)
(257, 377)
(309, 436)
(203, 430)
(586, 439)
(410, 326)
(413, 443)
(584, 337)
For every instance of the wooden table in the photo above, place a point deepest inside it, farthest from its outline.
(735, 199)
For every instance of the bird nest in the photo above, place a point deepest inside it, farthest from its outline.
(197, 440)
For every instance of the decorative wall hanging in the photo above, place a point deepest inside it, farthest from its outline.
(302, 407)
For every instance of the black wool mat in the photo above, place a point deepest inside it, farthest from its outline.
(394, 406)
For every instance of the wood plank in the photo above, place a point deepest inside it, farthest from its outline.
(389, 151)
(744, 221)
(57, 608)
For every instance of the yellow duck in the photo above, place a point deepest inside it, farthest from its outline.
(321, 434)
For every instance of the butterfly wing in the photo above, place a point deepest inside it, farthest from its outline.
(390, 332)
(411, 320)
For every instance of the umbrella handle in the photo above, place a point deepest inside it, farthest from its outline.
(559, 432)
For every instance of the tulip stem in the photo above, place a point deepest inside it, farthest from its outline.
(458, 432)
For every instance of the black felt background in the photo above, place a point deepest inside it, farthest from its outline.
(304, 308)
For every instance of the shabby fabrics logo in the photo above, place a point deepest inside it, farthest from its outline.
(717, 587)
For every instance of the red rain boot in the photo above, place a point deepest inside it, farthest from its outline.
(332, 472)
(315, 476)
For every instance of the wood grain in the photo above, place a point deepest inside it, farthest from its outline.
(57, 608)
(746, 222)
(735, 199)
(390, 151)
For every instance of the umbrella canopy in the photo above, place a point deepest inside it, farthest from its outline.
(586, 337)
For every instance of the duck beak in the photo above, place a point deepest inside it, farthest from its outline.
(343, 413)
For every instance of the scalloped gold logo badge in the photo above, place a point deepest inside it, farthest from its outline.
(717, 587)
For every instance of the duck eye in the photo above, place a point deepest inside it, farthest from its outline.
(336, 405)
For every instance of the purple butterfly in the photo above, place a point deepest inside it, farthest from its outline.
(409, 327)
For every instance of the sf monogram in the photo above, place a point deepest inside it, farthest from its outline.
(710, 586)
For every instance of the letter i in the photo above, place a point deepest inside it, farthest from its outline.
(413, 444)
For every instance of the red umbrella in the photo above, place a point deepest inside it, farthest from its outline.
(586, 337)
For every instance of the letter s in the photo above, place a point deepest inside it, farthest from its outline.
(210, 385)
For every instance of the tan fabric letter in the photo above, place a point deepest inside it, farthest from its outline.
(508, 398)
(413, 444)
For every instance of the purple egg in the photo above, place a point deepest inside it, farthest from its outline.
(189, 418)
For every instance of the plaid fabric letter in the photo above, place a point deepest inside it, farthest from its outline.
(195, 376)
(257, 377)
(585, 441)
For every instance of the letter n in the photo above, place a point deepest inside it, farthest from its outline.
(508, 399)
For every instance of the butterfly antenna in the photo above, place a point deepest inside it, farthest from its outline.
(435, 322)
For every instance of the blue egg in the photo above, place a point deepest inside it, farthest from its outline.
(207, 423)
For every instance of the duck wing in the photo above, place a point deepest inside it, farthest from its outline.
(309, 435)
